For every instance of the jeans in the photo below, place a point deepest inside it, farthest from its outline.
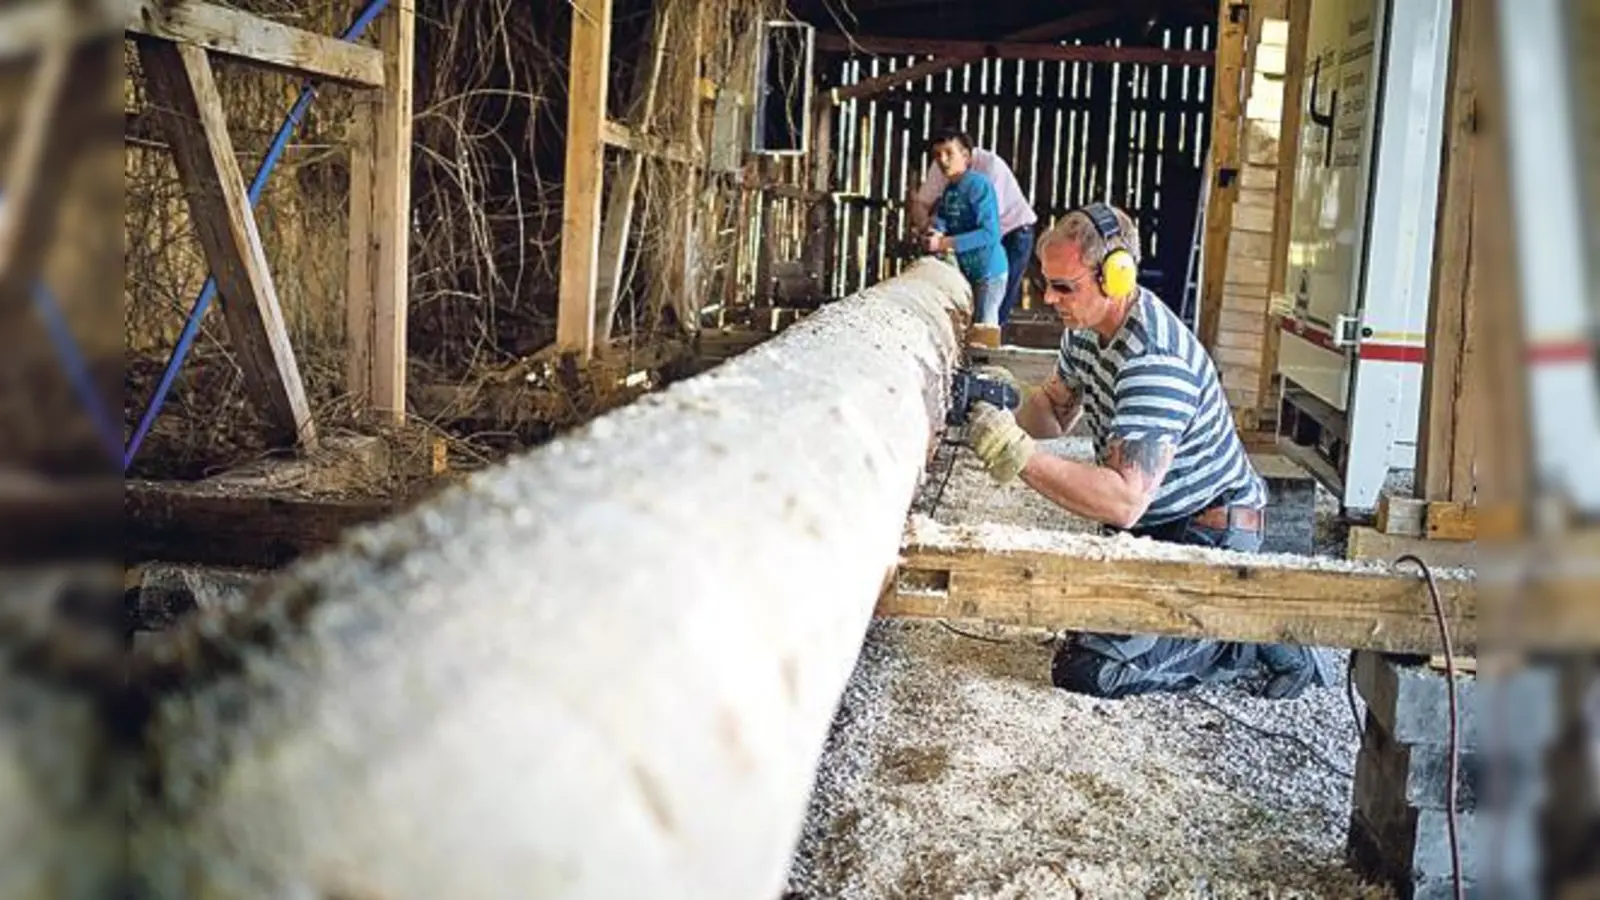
(987, 295)
(1018, 244)
(1118, 665)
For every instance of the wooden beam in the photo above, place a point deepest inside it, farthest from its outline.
(616, 134)
(28, 27)
(589, 60)
(185, 97)
(391, 212)
(1045, 579)
(252, 38)
(1048, 31)
(1447, 430)
(975, 50)
(618, 221)
(1370, 544)
(201, 525)
(360, 309)
(1294, 78)
(1233, 22)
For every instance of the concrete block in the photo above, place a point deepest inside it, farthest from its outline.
(1291, 505)
(1419, 775)
(1417, 862)
(1514, 714)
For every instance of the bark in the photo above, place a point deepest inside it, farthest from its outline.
(604, 669)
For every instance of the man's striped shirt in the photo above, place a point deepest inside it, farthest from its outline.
(1154, 381)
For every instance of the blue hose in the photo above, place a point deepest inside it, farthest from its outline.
(191, 328)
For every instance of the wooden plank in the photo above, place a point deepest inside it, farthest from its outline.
(1247, 272)
(1242, 341)
(1258, 178)
(617, 223)
(1401, 516)
(202, 525)
(1363, 543)
(1243, 360)
(360, 297)
(1032, 578)
(980, 50)
(1448, 521)
(252, 38)
(589, 60)
(1447, 429)
(391, 217)
(33, 194)
(184, 95)
(616, 134)
(1232, 31)
(1048, 31)
(1236, 321)
(28, 27)
(1298, 29)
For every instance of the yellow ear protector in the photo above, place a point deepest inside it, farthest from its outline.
(1118, 274)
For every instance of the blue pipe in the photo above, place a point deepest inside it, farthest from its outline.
(191, 328)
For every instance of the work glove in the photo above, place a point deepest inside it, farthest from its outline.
(997, 440)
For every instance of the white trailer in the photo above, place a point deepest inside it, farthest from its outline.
(1355, 309)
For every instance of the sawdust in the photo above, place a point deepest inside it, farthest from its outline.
(954, 768)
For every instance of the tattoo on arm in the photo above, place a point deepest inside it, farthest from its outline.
(1143, 463)
(1065, 403)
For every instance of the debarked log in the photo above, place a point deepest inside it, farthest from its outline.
(605, 668)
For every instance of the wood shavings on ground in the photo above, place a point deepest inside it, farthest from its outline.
(956, 770)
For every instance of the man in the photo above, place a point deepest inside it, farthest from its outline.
(1017, 218)
(1170, 462)
(966, 222)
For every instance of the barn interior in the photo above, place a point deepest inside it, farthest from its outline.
(537, 471)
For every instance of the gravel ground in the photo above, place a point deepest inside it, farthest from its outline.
(956, 770)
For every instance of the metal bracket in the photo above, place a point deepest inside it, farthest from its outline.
(1346, 330)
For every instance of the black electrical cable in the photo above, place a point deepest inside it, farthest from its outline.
(1455, 750)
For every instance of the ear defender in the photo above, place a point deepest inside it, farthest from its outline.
(1119, 272)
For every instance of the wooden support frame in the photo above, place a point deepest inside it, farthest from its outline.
(1049, 31)
(590, 59)
(262, 41)
(1448, 427)
(378, 279)
(1233, 22)
(972, 50)
(1023, 577)
(185, 96)
(1294, 77)
(624, 188)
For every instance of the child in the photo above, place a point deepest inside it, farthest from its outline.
(966, 221)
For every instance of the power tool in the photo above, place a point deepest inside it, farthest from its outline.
(967, 389)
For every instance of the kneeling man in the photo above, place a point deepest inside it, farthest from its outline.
(1170, 464)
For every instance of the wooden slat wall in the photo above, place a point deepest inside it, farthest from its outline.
(1071, 131)
(1241, 332)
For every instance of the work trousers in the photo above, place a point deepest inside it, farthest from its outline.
(1119, 665)
(1018, 244)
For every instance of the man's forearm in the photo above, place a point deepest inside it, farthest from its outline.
(1094, 492)
(1042, 420)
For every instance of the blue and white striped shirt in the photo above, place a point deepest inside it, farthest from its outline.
(1155, 381)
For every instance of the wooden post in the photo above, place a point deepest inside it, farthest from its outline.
(618, 221)
(1446, 436)
(391, 212)
(1294, 78)
(361, 271)
(1233, 24)
(185, 97)
(602, 724)
(590, 60)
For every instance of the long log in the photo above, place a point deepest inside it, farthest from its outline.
(604, 669)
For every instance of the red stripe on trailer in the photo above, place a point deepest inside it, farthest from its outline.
(1315, 335)
(1575, 351)
(1403, 353)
